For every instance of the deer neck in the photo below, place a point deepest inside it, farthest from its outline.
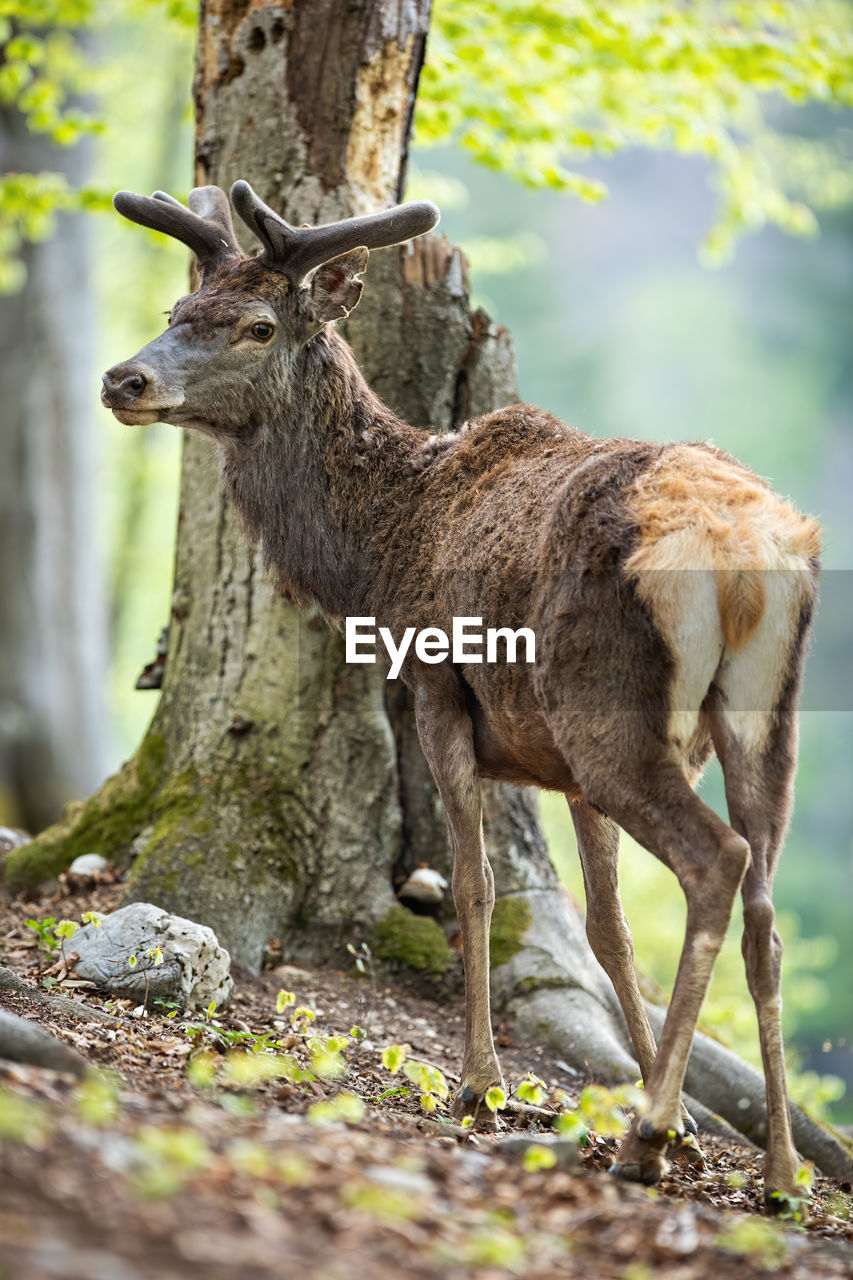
(314, 485)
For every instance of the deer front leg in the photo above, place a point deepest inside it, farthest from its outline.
(445, 733)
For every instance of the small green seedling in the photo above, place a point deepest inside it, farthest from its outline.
(43, 930)
(495, 1098)
(531, 1090)
(393, 1057)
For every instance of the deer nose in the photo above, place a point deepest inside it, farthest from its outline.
(122, 385)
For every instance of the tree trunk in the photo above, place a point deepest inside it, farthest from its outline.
(53, 637)
(280, 792)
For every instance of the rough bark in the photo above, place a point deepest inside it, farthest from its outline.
(279, 792)
(53, 638)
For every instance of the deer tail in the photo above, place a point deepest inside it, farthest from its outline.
(741, 598)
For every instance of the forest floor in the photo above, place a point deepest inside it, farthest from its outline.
(184, 1159)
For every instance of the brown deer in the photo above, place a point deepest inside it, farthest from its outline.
(669, 589)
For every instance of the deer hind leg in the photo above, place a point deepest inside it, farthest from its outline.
(445, 734)
(653, 802)
(610, 937)
(758, 752)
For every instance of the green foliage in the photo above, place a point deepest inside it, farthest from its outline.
(526, 86)
(537, 1158)
(393, 1057)
(427, 1079)
(523, 87)
(602, 1110)
(760, 1241)
(43, 930)
(495, 1098)
(52, 934)
(531, 1090)
(206, 1030)
(29, 203)
(347, 1108)
(97, 1098)
(493, 1246)
(169, 1157)
(23, 1120)
(383, 1203)
(42, 67)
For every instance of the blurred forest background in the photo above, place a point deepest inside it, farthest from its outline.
(619, 329)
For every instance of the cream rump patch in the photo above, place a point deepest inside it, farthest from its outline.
(725, 565)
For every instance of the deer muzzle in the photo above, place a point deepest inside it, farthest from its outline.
(136, 393)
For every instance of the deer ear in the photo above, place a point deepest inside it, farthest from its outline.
(335, 291)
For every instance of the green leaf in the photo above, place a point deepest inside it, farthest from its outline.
(393, 1057)
(495, 1098)
(538, 1157)
(532, 1090)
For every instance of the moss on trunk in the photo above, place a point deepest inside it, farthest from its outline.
(108, 823)
(417, 942)
(511, 919)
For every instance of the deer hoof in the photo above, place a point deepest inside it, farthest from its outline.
(468, 1101)
(789, 1205)
(688, 1151)
(647, 1171)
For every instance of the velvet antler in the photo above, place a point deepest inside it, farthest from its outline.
(294, 251)
(205, 227)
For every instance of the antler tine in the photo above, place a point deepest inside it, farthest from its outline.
(167, 199)
(211, 203)
(297, 250)
(210, 238)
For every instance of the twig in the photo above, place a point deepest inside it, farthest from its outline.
(11, 982)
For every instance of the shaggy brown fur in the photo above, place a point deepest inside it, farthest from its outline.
(670, 591)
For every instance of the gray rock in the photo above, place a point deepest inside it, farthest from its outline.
(87, 866)
(194, 968)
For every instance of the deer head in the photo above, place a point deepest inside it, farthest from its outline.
(228, 355)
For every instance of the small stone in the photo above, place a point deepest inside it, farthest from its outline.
(564, 1150)
(143, 953)
(12, 838)
(87, 866)
(424, 885)
(408, 1181)
(677, 1235)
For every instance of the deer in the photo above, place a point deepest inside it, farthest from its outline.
(670, 591)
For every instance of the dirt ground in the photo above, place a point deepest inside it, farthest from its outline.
(184, 1161)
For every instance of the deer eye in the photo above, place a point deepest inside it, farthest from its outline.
(262, 330)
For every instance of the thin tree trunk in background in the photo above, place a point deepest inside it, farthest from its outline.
(52, 639)
(279, 791)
